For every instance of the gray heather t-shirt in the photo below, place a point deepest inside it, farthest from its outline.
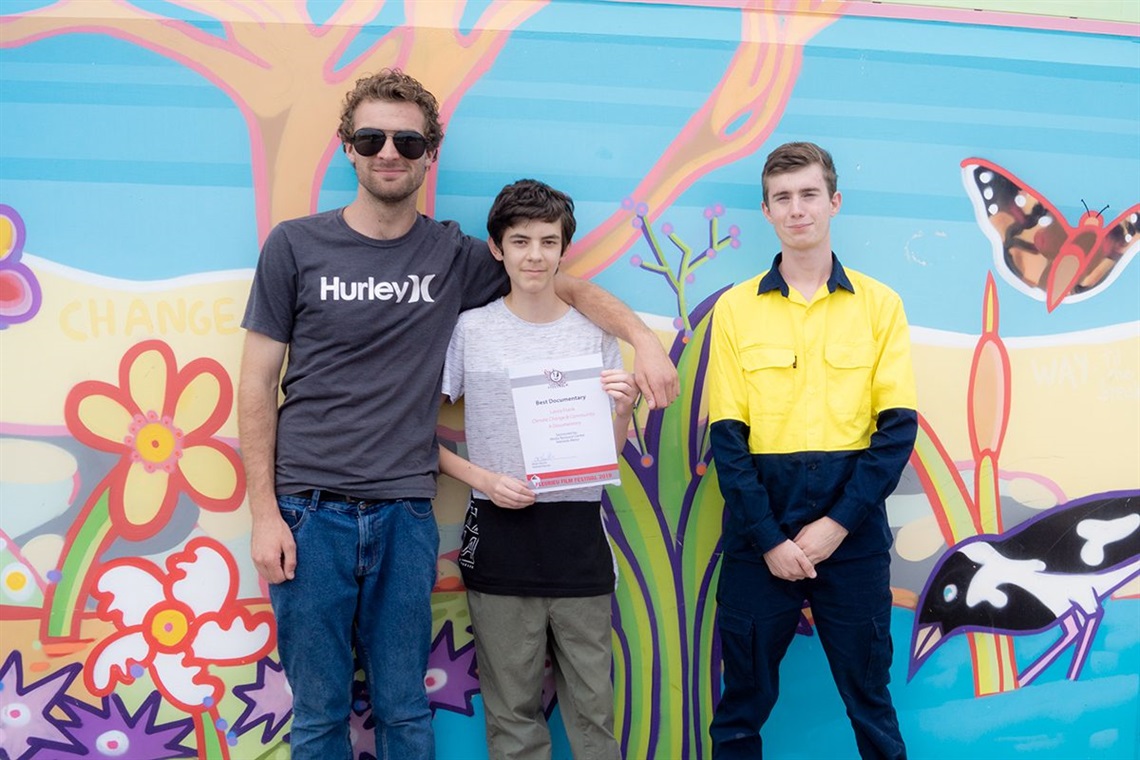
(486, 343)
(367, 323)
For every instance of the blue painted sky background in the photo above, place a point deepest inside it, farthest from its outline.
(126, 164)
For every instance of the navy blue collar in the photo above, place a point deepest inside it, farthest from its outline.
(773, 280)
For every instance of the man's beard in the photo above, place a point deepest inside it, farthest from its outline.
(394, 192)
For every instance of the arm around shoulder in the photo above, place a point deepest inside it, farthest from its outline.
(653, 370)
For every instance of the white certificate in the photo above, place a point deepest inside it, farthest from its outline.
(565, 423)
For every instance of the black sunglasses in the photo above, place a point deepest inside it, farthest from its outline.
(369, 142)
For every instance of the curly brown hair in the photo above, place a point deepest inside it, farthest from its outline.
(395, 85)
(793, 156)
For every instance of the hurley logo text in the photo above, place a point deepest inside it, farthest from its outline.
(412, 290)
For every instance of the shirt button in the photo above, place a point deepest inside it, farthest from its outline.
(813, 466)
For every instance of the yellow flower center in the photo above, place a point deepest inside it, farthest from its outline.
(168, 627)
(16, 581)
(155, 442)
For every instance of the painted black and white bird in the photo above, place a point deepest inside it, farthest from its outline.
(1055, 569)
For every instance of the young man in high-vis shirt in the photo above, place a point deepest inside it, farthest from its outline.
(812, 413)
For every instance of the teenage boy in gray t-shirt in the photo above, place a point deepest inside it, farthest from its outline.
(535, 566)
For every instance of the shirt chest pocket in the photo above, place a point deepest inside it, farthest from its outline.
(850, 369)
(771, 376)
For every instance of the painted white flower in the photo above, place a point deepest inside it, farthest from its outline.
(175, 624)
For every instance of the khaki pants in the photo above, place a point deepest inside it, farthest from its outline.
(512, 636)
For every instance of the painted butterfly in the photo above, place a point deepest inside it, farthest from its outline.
(1035, 249)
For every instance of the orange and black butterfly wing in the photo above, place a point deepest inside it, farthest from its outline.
(1112, 252)
(1027, 232)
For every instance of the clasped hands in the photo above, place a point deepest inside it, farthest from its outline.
(795, 559)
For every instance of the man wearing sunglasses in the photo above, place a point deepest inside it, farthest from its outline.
(341, 476)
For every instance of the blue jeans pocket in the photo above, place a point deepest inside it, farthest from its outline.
(419, 508)
(294, 511)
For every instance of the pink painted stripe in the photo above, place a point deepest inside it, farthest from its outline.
(32, 431)
(968, 465)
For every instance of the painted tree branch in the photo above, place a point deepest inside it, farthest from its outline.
(470, 56)
(734, 122)
(272, 59)
(174, 39)
(345, 24)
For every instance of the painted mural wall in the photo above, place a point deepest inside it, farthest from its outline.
(989, 165)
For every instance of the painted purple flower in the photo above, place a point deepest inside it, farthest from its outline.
(110, 730)
(20, 295)
(268, 700)
(450, 679)
(26, 723)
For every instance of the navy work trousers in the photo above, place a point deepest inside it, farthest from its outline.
(757, 616)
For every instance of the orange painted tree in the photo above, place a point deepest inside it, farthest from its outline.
(733, 122)
(288, 76)
(286, 72)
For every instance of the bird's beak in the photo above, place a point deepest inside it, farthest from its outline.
(926, 639)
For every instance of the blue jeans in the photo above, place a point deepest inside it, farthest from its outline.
(364, 576)
(757, 615)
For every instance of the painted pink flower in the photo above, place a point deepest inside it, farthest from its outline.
(162, 421)
(175, 624)
(20, 293)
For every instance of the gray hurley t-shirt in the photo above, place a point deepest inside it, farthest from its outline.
(367, 322)
(486, 343)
